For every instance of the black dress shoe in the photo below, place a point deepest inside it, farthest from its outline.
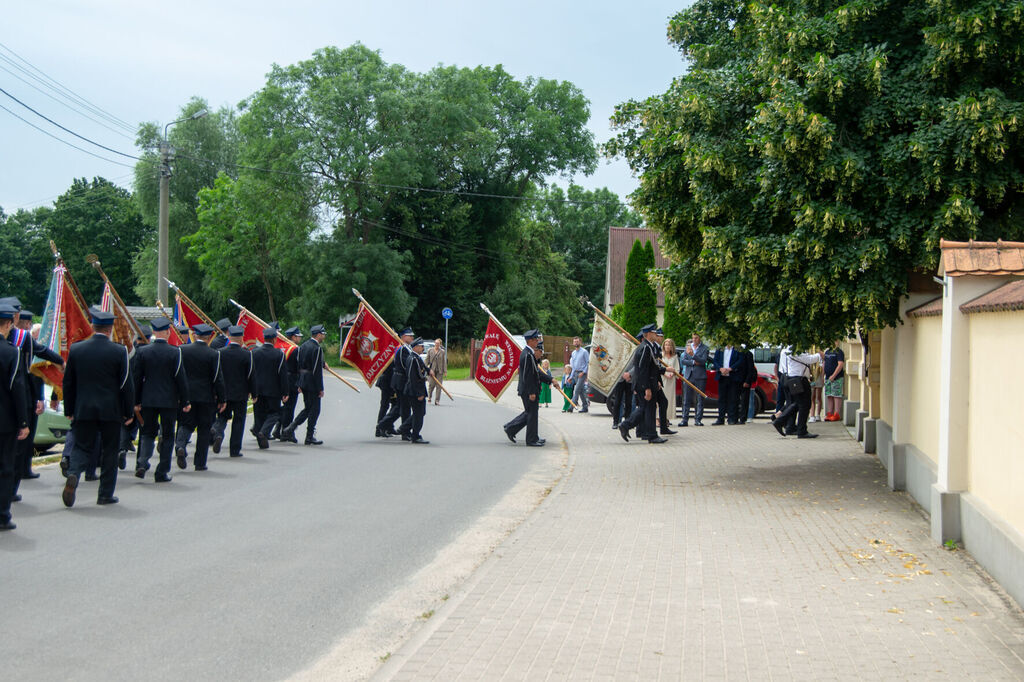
(106, 500)
(698, 423)
(385, 434)
(683, 424)
(717, 423)
(510, 435)
(216, 445)
(668, 432)
(180, 455)
(236, 454)
(419, 441)
(624, 432)
(162, 478)
(122, 459)
(289, 438)
(778, 427)
(615, 425)
(30, 474)
(394, 433)
(807, 435)
(312, 440)
(536, 444)
(68, 495)
(9, 525)
(262, 441)
(201, 468)
(657, 439)
(16, 497)
(140, 473)
(91, 477)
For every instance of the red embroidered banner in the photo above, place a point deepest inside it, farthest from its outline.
(370, 346)
(498, 361)
(252, 336)
(64, 323)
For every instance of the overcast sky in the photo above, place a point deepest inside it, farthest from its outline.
(142, 61)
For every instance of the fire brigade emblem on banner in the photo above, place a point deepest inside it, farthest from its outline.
(493, 358)
(368, 347)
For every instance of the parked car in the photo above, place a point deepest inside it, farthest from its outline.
(53, 429)
(427, 345)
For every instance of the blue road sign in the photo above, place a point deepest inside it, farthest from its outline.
(446, 313)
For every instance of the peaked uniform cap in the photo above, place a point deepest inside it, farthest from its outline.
(160, 324)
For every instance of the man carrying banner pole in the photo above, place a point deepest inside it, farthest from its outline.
(530, 379)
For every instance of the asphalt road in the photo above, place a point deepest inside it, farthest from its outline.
(250, 570)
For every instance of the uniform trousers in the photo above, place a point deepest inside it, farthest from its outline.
(417, 409)
(26, 448)
(8, 452)
(691, 397)
(266, 413)
(200, 419)
(167, 416)
(527, 418)
(642, 417)
(662, 408)
(288, 408)
(404, 411)
(86, 432)
(388, 412)
(310, 412)
(623, 393)
(236, 411)
(728, 399)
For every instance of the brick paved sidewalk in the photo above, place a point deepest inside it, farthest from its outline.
(727, 553)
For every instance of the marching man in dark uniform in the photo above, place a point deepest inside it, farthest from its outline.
(311, 381)
(269, 387)
(98, 397)
(388, 412)
(530, 379)
(13, 413)
(161, 389)
(221, 340)
(646, 376)
(23, 467)
(416, 391)
(129, 433)
(236, 366)
(291, 361)
(206, 393)
(27, 348)
(398, 380)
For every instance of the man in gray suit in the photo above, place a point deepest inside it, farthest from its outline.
(694, 362)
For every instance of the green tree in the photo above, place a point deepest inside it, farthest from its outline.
(676, 324)
(639, 299)
(816, 151)
(202, 148)
(97, 217)
(25, 257)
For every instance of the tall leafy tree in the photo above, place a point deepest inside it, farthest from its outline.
(98, 217)
(203, 148)
(817, 150)
(676, 324)
(25, 260)
(640, 301)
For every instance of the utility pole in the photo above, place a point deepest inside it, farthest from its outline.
(166, 156)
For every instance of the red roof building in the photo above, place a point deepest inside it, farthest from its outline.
(620, 242)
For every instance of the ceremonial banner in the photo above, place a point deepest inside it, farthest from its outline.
(174, 338)
(64, 323)
(252, 336)
(123, 332)
(498, 362)
(610, 352)
(370, 346)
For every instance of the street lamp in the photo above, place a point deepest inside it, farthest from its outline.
(165, 190)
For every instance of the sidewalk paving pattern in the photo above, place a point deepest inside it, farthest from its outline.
(728, 553)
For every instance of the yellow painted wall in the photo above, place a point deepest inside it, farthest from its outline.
(885, 358)
(996, 414)
(925, 336)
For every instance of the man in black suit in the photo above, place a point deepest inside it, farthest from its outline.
(269, 387)
(27, 348)
(416, 391)
(646, 377)
(291, 361)
(98, 397)
(23, 467)
(311, 381)
(130, 432)
(729, 363)
(530, 379)
(388, 412)
(236, 366)
(398, 380)
(13, 414)
(205, 392)
(161, 389)
(749, 378)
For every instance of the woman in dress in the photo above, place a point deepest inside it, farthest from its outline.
(671, 359)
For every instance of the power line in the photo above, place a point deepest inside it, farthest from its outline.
(67, 130)
(64, 91)
(74, 196)
(49, 134)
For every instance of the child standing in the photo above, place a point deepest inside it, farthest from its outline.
(545, 389)
(567, 387)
